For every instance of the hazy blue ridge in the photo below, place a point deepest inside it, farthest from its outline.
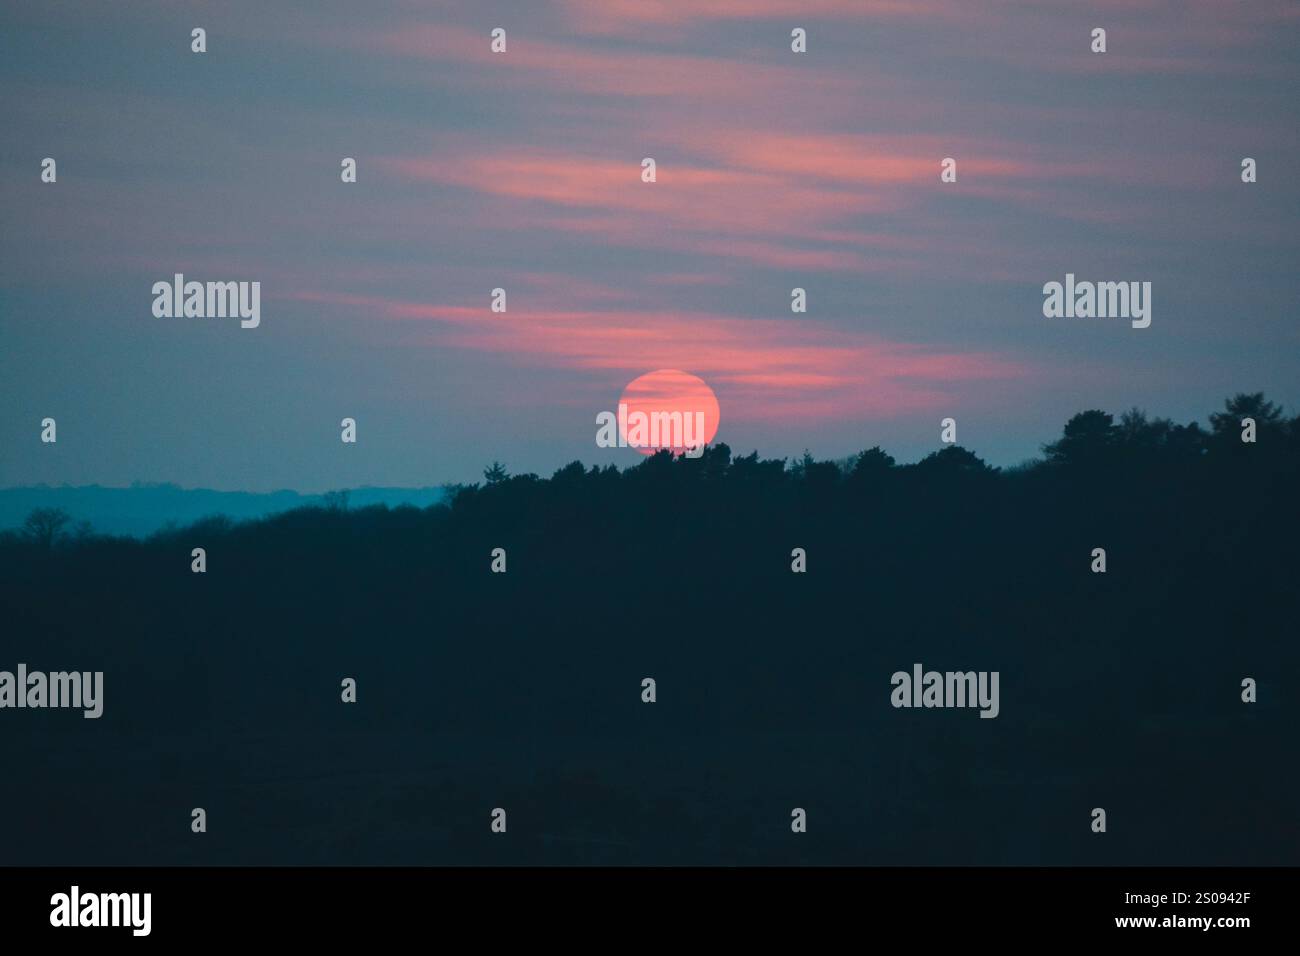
(145, 508)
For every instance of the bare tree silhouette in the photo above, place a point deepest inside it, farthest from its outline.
(45, 526)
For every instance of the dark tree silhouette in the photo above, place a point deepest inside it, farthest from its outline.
(1088, 437)
(44, 526)
(1227, 424)
(953, 460)
(522, 689)
(872, 462)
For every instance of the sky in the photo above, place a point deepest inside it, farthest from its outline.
(522, 170)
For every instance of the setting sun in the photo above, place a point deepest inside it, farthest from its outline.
(683, 403)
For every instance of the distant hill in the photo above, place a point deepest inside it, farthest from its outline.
(143, 509)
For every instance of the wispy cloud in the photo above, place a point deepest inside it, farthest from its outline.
(787, 370)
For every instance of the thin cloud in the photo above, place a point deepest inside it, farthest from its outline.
(787, 369)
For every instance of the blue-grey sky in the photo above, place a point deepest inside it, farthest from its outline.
(522, 170)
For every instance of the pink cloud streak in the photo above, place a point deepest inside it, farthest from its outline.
(767, 369)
